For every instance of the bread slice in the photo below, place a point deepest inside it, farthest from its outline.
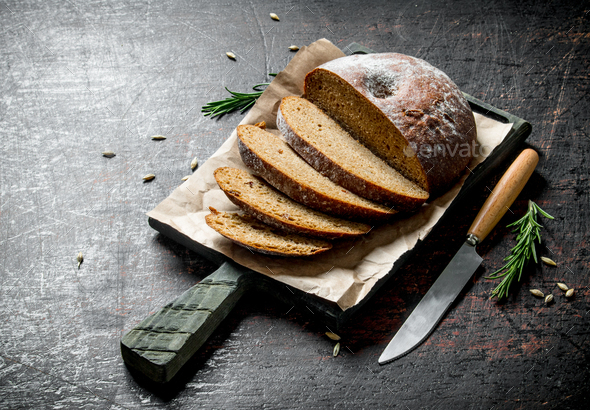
(336, 154)
(257, 198)
(246, 231)
(272, 158)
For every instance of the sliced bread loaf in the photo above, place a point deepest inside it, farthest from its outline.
(272, 158)
(257, 198)
(336, 154)
(246, 231)
(403, 109)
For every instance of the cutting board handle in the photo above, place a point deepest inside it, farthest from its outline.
(162, 343)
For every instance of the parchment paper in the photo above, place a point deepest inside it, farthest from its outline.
(346, 273)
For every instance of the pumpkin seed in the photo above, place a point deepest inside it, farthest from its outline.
(194, 163)
(80, 259)
(108, 154)
(537, 293)
(149, 177)
(293, 48)
(231, 55)
(336, 349)
(569, 293)
(548, 261)
(274, 17)
(186, 177)
(158, 137)
(562, 286)
(548, 299)
(333, 336)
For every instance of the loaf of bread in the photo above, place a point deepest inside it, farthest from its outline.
(257, 198)
(273, 159)
(406, 111)
(334, 153)
(247, 231)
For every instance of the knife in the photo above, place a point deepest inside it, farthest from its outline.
(451, 281)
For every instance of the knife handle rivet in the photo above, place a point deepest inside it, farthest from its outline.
(472, 239)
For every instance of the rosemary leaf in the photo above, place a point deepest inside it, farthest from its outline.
(528, 230)
(237, 102)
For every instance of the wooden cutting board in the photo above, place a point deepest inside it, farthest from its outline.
(161, 344)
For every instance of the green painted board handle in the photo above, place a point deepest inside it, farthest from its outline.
(161, 344)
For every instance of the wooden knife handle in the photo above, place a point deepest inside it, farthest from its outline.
(504, 194)
(162, 343)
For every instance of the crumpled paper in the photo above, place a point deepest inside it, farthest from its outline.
(343, 275)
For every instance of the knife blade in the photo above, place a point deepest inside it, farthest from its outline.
(433, 306)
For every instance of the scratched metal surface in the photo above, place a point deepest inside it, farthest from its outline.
(78, 78)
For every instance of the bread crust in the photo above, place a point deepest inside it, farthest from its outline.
(341, 176)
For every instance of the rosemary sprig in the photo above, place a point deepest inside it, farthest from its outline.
(237, 101)
(528, 230)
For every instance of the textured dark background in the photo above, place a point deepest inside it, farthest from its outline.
(78, 78)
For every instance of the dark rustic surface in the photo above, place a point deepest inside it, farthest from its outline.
(78, 78)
